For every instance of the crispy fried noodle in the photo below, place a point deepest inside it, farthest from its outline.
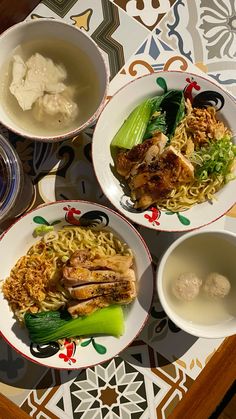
(34, 282)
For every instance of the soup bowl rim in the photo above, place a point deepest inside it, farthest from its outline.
(203, 331)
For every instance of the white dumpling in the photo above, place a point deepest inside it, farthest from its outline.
(216, 285)
(59, 108)
(187, 286)
(31, 79)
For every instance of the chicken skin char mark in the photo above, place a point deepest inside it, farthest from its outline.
(86, 307)
(157, 174)
(84, 292)
(98, 281)
(126, 160)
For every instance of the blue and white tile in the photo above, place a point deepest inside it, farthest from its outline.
(205, 33)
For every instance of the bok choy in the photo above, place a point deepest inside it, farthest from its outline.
(132, 131)
(49, 326)
(167, 111)
(158, 114)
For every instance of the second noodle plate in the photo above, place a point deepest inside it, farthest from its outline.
(93, 349)
(201, 92)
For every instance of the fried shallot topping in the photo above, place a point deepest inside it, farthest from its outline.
(203, 125)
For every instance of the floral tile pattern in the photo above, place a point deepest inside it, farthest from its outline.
(148, 12)
(152, 55)
(220, 41)
(205, 33)
(172, 379)
(107, 24)
(116, 389)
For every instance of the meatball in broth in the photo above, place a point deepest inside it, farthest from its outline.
(187, 286)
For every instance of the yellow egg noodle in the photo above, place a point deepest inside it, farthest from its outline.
(185, 196)
(34, 282)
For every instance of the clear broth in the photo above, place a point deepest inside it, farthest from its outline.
(203, 255)
(80, 73)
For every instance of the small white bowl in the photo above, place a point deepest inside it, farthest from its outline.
(200, 252)
(46, 29)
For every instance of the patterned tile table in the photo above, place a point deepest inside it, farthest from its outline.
(137, 37)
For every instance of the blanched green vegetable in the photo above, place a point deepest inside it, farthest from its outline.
(158, 114)
(132, 131)
(173, 105)
(157, 123)
(50, 326)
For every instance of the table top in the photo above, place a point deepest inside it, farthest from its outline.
(162, 370)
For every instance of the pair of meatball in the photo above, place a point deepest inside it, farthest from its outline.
(187, 286)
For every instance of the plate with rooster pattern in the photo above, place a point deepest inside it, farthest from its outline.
(201, 93)
(91, 350)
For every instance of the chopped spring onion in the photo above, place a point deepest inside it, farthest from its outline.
(42, 230)
(49, 326)
(216, 158)
(132, 131)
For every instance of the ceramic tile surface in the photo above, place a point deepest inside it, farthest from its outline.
(108, 25)
(204, 32)
(149, 378)
(147, 12)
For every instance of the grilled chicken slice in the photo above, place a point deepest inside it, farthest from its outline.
(117, 263)
(157, 179)
(80, 276)
(96, 282)
(156, 149)
(181, 168)
(79, 257)
(149, 150)
(83, 308)
(115, 289)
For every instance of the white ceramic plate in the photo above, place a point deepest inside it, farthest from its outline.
(15, 243)
(112, 117)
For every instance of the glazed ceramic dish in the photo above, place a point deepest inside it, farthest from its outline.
(94, 350)
(209, 315)
(111, 119)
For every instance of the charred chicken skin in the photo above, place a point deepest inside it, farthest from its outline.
(153, 170)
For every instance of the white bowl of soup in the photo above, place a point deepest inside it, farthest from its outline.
(53, 80)
(196, 283)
